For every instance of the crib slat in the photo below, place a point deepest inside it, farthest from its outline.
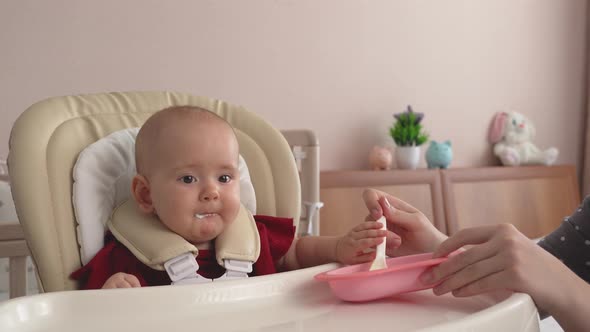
(13, 246)
(11, 232)
(18, 276)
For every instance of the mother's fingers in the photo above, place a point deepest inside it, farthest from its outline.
(402, 218)
(489, 283)
(397, 203)
(470, 274)
(393, 241)
(378, 203)
(475, 235)
(371, 198)
(463, 260)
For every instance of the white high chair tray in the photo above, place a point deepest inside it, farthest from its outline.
(291, 301)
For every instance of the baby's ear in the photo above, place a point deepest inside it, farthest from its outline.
(140, 189)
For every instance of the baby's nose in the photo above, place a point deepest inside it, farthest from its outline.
(209, 195)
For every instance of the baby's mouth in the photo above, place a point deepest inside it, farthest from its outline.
(204, 215)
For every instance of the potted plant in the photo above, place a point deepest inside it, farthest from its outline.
(408, 135)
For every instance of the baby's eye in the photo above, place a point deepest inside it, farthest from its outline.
(188, 179)
(225, 178)
(514, 122)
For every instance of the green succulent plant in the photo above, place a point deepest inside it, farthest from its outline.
(407, 130)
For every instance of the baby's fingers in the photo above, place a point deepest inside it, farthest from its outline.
(132, 280)
(367, 225)
(362, 245)
(368, 229)
(363, 258)
(369, 234)
(118, 282)
(122, 284)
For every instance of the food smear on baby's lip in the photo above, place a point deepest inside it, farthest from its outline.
(204, 215)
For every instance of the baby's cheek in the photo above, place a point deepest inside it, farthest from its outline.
(233, 199)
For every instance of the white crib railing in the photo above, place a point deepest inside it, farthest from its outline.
(14, 247)
(306, 152)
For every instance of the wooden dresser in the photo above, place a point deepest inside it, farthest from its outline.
(534, 198)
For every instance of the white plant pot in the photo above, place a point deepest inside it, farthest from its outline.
(407, 157)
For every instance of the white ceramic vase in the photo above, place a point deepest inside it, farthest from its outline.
(407, 157)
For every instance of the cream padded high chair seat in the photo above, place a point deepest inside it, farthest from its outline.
(47, 138)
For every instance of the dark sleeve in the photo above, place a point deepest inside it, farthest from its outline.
(570, 243)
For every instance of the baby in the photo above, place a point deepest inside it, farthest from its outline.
(187, 176)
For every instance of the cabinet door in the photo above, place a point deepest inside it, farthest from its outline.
(534, 199)
(341, 192)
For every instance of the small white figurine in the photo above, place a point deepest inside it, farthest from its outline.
(512, 133)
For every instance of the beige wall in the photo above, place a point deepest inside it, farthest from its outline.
(339, 67)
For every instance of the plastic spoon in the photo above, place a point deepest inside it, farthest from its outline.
(379, 262)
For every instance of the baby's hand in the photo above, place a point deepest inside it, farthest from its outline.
(351, 248)
(121, 280)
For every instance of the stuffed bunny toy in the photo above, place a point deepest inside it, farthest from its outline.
(511, 133)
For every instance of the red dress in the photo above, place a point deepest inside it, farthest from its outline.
(276, 236)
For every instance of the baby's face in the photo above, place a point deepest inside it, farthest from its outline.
(194, 185)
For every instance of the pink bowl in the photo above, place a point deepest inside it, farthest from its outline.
(356, 283)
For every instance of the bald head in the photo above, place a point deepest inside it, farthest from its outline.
(162, 127)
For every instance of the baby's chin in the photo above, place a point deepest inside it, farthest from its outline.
(203, 240)
(209, 229)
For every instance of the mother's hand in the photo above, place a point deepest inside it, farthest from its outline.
(410, 230)
(500, 258)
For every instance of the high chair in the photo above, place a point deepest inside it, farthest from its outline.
(45, 143)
